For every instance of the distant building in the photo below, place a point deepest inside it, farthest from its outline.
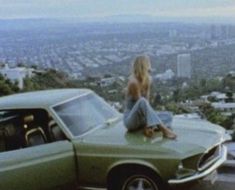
(116, 105)
(225, 31)
(194, 116)
(216, 97)
(225, 108)
(77, 76)
(232, 73)
(184, 66)
(184, 85)
(16, 74)
(107, 81)
(167, 75)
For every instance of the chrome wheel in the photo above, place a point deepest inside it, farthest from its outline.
(139, 183)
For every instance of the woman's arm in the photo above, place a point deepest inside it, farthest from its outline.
(148, 93)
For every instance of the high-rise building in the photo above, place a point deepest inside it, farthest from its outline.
(184, 66)
(213, 32)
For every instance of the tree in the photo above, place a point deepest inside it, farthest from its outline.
(21, 65)
(229, 95)
(212, 115)
(157, 99)
(7, 87)
(4, 89)
(229, 82)
(34, 66)
(176, 95)
(107, 76)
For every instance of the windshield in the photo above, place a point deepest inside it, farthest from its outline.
(85, 113)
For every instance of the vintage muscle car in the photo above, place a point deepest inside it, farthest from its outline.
(72, 138)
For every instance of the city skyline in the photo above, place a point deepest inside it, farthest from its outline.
(12, 9)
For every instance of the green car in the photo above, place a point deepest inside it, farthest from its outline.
(72, 138)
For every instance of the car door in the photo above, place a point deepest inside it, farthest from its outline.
(38, 167)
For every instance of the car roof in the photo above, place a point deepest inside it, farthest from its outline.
(39, 99)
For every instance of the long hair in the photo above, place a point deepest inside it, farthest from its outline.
(140, 70)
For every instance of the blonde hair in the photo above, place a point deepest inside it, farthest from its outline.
(140, 70)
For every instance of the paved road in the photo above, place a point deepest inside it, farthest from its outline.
(207, 186)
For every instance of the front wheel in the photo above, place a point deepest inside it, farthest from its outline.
(137, 180)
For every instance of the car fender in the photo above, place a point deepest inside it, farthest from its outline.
(141, 163)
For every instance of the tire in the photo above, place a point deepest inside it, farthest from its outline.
(136, 180)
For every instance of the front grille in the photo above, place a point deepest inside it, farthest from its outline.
(209, 158)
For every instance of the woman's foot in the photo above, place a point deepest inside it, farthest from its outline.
(167, 133)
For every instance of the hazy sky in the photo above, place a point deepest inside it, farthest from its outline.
(100, 8)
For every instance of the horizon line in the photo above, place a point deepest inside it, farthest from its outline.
(155, 18)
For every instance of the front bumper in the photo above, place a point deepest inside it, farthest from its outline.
(204, 173)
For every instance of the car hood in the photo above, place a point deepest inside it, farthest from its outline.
(193, 137)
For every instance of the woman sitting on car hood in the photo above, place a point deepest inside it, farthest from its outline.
(138, 112)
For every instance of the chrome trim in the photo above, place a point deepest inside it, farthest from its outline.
(216, 144)
(204, 173)
(206, 165)
(72, 98)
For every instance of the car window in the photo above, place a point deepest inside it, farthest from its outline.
(26, 128)
(85, 113)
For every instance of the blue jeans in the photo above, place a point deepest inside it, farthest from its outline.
(142, 114)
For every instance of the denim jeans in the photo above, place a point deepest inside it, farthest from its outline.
(142, 114)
